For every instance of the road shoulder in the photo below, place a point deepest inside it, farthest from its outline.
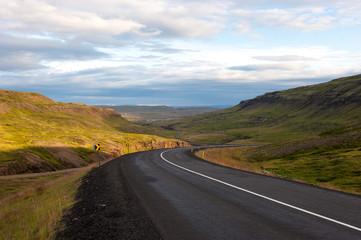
(106, 209)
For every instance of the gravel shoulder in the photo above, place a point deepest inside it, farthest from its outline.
(106, 208)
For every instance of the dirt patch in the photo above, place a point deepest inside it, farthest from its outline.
(28, 163)
(4, 108)
(27, 106)
(82, 110)
(66, 156)
(35, 97)
(14, 167)
(37, 164)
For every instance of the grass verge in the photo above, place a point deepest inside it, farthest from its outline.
(34, 213)
(332, 168)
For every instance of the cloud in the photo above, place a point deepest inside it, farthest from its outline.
(159, 47)
(300, 15)
(284, 58)
(152, 47)
(92, 19)
(34, 32)
(40, 16)
(102, 21)
(299, 19)
(25, 53)
(137, 84)
(49, 48)
(265, 67)
(19, 61)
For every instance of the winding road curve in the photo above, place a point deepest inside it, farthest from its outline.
(188, 198)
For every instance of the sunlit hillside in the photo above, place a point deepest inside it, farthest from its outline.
(38, 134)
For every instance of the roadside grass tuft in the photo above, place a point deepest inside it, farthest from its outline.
(35, 213)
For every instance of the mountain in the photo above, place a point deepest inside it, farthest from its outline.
(38, 134)
(152, 113)
(278, 115)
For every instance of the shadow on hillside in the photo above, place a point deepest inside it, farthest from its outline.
(35, 159)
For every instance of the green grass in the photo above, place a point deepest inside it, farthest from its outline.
(330, 159)
(35, 214)
(11, 187)
(336, 167)
(216, 137)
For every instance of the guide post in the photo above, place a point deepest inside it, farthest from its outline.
(127, 144)
(97, 148)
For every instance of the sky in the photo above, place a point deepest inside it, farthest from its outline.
(176, 53)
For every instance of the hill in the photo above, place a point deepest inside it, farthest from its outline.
(153, 113)
(277, 116)
(38, 134)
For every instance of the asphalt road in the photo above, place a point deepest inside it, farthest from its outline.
(188, 198)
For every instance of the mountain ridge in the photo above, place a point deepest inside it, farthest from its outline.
(347, 94)
(279, 115)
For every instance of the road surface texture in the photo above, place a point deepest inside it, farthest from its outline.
(188, 198)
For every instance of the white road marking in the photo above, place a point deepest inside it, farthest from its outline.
(262, 196)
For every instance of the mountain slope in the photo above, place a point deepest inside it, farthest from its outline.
(279, 115)
(38, 134)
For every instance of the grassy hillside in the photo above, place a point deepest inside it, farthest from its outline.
(329, 159)
(152, 113)
(38, 134)
(278, 115)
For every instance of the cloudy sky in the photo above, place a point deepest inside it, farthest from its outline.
(178, 53)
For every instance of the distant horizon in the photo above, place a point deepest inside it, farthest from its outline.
(141, 105)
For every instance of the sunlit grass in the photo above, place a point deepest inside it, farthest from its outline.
(35, 213)
(12, 186)
(333, 168)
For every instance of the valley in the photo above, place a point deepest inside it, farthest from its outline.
(146, 114)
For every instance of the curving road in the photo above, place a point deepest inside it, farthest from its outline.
(188, 198)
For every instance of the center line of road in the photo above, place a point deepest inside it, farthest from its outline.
(259, 195)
